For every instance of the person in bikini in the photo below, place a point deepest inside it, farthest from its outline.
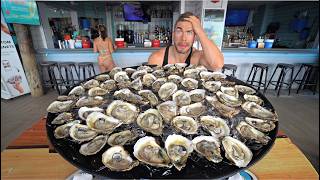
(186, 28)
(103, 45)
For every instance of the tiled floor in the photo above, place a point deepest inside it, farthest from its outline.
(298, 117)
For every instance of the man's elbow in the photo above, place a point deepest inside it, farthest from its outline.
(219, 64)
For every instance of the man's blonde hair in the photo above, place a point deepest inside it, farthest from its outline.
(182, 16)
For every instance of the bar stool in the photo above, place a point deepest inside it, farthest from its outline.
(230, 67)
(67, 69)
(86, 66)
(47, 69)
(263, 68)
(310, 76)
(284, 69)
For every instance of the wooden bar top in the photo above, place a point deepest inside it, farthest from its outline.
(284, 161)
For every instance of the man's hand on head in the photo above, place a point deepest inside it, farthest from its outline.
(196, 24)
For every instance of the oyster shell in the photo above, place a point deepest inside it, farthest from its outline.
(78, 91)
(215, 125)
(201, 68)
(151, 121)
(121, 138)
(218, 76)
(121, 76)
(81, 133)
(148, 79)
(67, 98)
(158, 83)
(60, 106)
(175, 79)
(150, 96)
(223, 110)
(137, 84)
(94, 146)
(250, 132)
(209, 147)
(166, 90)
(102, 77)
(130, 71)
(185, 124)
(123, 111)
(245, 89)
(178, 149)
(231, 91)
(168, 110)
(89, 101)
(63, 130)
(146, 68)
(260, 124)
(83, 112)
(62, 118)
(102, 123)
(197, 95)
(91, 84)
(181, 66)
(193, 110)
(116, 158)
(191, 73)
(253, 98)
(206, 75)
(97, 91)
(236, 151)
(138, 73)
(114, 71)
(189, 83)
(171, 69)
(258, 111)
(181, 98)
(148, 151)
(127, 95)
(109, 85)
(228, 100)
(212, 86)
(159, 73)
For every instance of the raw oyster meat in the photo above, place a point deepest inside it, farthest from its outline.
(260, 124)
(193, 110)
(168, 110)
(209, 147)
(167, 90)
(94, 146)
(224, 110)
(218, 76)
(109, 85)
(189, 83)
(89, 101)
(191, 73)
(97, 91)
(181, 98)
(245, 89)
(231, 91)
(146, 68)
(185, 124)
(175, 79)
(83, 112)
(78, 91)
(197, 95)
(253, 98)
(149, 96)
(212, 86)
(121, 138)
(228, 100)
(127, 95)
(216, 126)
(114, 71)
(116, 158)
(102, 77)
(151, 121)
(102, 123)
(258, 111)
(123, 111)
(63, 130)
(250, 132)
(81, 133)
(121, 76)
(136, 84)
(91, 84)
(62, 118)
(60, 106)
(206, 75)
(138, 73)
(158, 83)
(148, 79)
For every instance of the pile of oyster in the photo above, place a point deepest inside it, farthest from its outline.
(166, 114)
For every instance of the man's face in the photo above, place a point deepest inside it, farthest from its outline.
(183, 37)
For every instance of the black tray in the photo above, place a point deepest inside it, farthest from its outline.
(196, 167)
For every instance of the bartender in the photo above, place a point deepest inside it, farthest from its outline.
(186, 28)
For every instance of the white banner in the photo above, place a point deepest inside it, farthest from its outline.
(12, 73)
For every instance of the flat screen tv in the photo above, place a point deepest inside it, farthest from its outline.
(237, 17)
(133, 12)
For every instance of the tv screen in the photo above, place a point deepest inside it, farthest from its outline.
(133, 12)
(237, 17)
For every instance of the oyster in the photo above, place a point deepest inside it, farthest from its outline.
(116, 158)
(114, 71)
(236, 151)
(180, 67)
(212, 86)
(83, 112)
(168, 110)
(191, 73)
(121, 76)
(189, 83)
(158, 83)
(89, 101)
(171, 69)
(148, 151)
(123, 111)
(175, 79)
(63, 130)
(209, 147)
(151, 121)
(137, 84)
(102, 123)
(201, 68)
(185, 124)
(166, 90)
(159, 73)
(258, 111)
(121, 138)
(231, 91)
(102, 77)
(260, 124)
(91, 84)
(60, 106)
(228, 100)
(178, 149)
(109, 85)
(206, 75)
(218, 76)
(148, 79)
(224, 110)
(78, 91)
(146, 68)
(81, 133)
(66, 98)
(193, 110)
(215, 125)
(197, 95)
(245, 89)
(97, 91)
(150, 96)
(253, 98)
(130, 71)
(138, 73)
(181, 98)
(250, 132)
(62, 118)
(127, 95)
(94, 146)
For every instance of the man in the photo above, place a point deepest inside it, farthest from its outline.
(186, 28)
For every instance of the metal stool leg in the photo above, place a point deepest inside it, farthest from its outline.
(254, 75)
(272, 76)
(303, 79)
(295, 77)
(55, 80)
(265, 81)
(316, 82)
(281, 81)
(291, 80)
(250, 74)
(260, 79)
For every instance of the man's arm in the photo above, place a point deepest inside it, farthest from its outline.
(155, 58)
(211, 56)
